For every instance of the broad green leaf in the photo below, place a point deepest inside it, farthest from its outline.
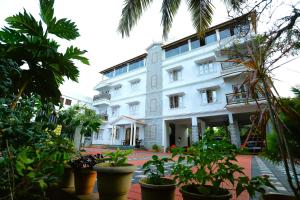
(76, 53)
(64, 28)
(47, 10)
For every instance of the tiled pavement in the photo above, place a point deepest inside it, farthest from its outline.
(253, 166)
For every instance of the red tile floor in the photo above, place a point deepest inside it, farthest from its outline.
(139, 157)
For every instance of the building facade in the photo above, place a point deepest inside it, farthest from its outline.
(169, 95)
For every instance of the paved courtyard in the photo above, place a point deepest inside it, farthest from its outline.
(253, 166)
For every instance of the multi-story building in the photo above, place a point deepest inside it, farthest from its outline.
(170, 94)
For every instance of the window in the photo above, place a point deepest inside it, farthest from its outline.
(225, 33)
(175, 75)
(117, 90)
(207, 68)
(68, 102)
(176, 101)
(177, 50)
(135, 84)
(121, 70)
(195, 43)
(209, 96)
(136, 64)
(134, 108)
(210, 38)
(99, 135)
(109, 74)
(242, 29)
(117, 136)
(115, 111)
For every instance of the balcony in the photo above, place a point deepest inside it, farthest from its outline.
(230, 69)
(101, 99)
(241, 102)
(103, 115)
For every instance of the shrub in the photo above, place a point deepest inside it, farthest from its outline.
(156, 148)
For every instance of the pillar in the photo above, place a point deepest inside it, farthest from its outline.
(234, 131)
(203, 127)
(131, 130)
(134, 134)
(195, 134)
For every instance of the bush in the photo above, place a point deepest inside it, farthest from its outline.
(156, 148)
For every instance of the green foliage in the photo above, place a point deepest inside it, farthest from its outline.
(79, 115)
(27, 43)
(117, 158)
(33, 155)
(212, 163)
(155, 169)
(156, 148)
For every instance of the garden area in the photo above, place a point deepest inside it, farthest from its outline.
(41, 157)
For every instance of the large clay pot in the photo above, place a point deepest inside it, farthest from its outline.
(277, 197)
(157, 192)
(67, 180)
(85, 180)
(114, 182)
(188, 195)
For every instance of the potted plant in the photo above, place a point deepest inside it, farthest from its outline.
(156, 186)
(84, 175)
(202, 170)
(114, 175)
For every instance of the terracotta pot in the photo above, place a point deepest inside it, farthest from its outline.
(187, 195)
(114, 182)
(67, 180)
(156, 192)
(277, 197)
(85, 180)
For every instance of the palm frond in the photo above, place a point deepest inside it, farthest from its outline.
(168, 9)
(235, 4)
(25, 23)
(296, 91)
(11, 36)
(201, 11)
(131, 13)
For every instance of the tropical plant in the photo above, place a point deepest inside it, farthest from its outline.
(86, 161)
(117, 158)
(261, 55)
(155, 170)
(29, 44)
(156, 148)
(210, 163)
(79, 116)
(201, 13)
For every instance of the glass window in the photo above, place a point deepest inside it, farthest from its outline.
(242, 29)
(136, 65)
(207, 68)
(68, 102)
(134, 108)
(176, 101)
(195, 43)
(115, 111)
(210, 38)
(135, 84)
(225, 33)
(209, 96)
(177, 50)
(121, 70)
(175, 75)
(117, 90)
(109, 74)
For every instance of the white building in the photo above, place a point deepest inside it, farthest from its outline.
(170, 94)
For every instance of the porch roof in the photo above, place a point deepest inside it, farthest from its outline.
(122, 120)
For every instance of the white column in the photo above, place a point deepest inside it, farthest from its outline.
(234, 131)
(203, 127)
(218, 35)
(134, 134)
(164, 135)
(195, 134)
(112, 134)
(131, 130)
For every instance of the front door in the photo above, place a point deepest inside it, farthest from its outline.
(127, 136)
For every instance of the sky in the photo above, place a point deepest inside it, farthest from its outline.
(97, 21)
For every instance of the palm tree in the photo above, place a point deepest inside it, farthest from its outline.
(29, 44)
(201, 13)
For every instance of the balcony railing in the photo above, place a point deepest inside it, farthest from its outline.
(103, 115)
(241, 97)
(229, 65)
(100, 96)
